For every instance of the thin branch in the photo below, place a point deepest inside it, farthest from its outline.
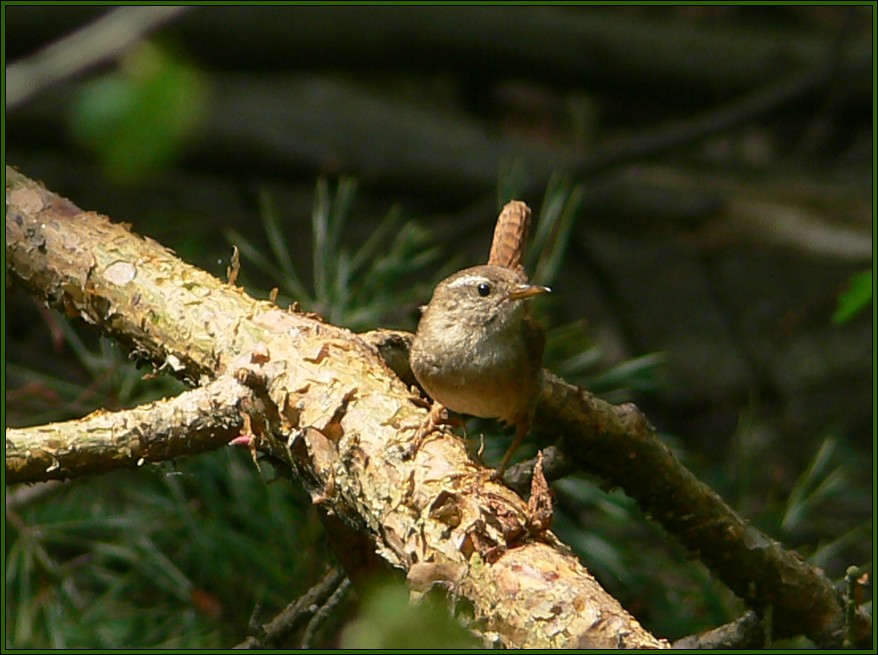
(601, 49)
(195, 421)
(745, 109)
(106, 38)
(650, 144)
(22, 496)
(325, 612)
(274, 633)
(556, 465)
(746, 632)
(619, 444)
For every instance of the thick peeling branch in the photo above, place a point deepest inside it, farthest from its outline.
(195, 421)
(334, 410)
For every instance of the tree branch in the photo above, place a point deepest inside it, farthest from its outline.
(334, 412)
(296, 614)
(740, 111)
(618, 443)
(618, 51)
(109, 36)
(746, 632)
(193, 422)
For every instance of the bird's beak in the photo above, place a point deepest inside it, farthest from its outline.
(527, 290)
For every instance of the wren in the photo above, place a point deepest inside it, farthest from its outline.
(477, 351)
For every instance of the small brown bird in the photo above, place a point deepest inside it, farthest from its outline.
(478, 352)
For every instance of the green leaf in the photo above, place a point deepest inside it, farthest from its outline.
(388, 616)
(852, 301)
(137, 118)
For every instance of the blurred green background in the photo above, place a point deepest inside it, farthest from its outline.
(702, 178)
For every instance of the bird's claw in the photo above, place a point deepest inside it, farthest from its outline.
(438, 416)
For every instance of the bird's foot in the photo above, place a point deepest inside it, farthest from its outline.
(438, 416)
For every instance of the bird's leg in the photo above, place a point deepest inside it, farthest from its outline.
(438, 416)
(481, 449)
(521, 427)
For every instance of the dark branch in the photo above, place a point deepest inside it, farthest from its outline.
(296, 614)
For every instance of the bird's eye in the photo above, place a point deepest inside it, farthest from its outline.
(484, 289)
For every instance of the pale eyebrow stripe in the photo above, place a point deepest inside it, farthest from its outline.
(467, 280)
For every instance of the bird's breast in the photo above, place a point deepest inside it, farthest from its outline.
(477, 374)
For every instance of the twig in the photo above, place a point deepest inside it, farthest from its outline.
(105, 38)
(293, 616)
(325, 611)
(744, 632)
(858, 615)
(762, 101)
(682, 133)
(556, 465)
(20, 497)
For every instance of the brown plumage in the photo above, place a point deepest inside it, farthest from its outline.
(477, 351)
(510, 236)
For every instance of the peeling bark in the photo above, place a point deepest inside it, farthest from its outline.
(195, 421)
